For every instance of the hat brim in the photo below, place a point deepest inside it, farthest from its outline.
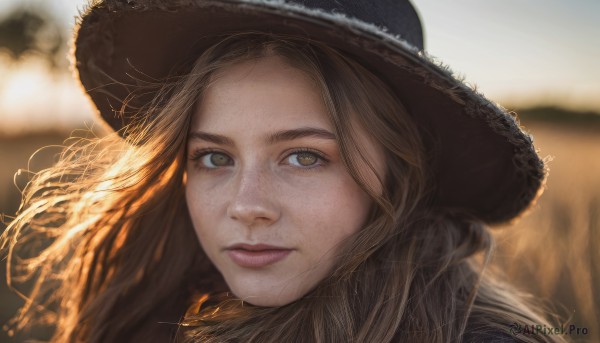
(483, 163)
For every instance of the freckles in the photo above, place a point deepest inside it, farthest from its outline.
(201, 205)
(201, 189)
(339, 209)
(210, 202)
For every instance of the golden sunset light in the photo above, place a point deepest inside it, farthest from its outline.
(520, 54)
(500, 193)
(30, 96)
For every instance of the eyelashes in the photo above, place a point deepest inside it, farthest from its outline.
(212, 159)
(314, 158)
(302, 158)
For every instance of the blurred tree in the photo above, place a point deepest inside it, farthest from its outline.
(27, 31)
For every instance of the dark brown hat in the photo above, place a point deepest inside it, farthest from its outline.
(482, 161)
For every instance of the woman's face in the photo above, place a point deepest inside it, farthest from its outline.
(267, 192)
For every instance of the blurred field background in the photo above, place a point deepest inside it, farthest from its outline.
(553, 252)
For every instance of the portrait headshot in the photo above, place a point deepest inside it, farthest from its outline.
(299, 171)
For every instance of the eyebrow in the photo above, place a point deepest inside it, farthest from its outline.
(208, 137)
(288, 135)
(279, 136)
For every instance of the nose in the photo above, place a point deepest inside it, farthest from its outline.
(253, 202)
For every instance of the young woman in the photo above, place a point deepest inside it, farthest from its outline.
(279, 171)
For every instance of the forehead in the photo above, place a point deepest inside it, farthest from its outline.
(265, 91)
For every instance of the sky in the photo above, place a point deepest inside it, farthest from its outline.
(520, 51)
(517, 52)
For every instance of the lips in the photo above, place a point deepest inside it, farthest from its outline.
(257, 255)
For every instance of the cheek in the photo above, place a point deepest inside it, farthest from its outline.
(348, 201)
(203, 197)
(202, 208)
(340, 210)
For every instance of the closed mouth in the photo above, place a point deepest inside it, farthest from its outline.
(256, 255)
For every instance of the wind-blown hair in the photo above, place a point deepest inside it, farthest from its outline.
(121, 260)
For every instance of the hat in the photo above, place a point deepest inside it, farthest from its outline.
(482, 162)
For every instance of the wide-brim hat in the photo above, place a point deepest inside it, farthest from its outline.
(482, 162)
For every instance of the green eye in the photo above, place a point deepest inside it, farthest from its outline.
(303, 159)
(215, 160)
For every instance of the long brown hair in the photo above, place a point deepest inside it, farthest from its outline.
(123, 262)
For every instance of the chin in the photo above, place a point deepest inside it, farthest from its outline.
(265, 302)
(268, 297)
